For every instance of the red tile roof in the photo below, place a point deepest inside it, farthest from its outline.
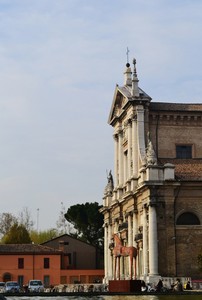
(27, 249)
(186, 169)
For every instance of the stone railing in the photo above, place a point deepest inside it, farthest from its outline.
(79, 288)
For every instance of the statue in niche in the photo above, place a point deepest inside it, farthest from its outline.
(150, 153)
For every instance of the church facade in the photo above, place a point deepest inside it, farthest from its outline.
(153, 201)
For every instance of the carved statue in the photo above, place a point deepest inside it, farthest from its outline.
(110, 184)
(110, 178)
(150, 153)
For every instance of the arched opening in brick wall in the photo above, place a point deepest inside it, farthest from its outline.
(188, 218)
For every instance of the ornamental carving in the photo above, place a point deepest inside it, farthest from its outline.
(150, 153)
(110, 185)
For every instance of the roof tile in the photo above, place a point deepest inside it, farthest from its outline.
(186, 169)
(27, 248)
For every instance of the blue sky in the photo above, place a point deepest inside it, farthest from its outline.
(59, 63)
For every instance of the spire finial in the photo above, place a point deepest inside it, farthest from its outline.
(127, 54)
(134, 63)
(135, 89)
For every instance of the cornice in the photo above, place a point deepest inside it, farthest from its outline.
(170, 118)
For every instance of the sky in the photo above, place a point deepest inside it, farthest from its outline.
(60, 61)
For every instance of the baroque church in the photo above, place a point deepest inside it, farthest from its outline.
(153, 200)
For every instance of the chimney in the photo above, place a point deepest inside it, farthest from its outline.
(62, 246)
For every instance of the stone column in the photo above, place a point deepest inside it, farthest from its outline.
(135, 231)
(130, 231)
(145, 243)
(125, 167)
(106, 251)
(134, 147)
(153, 243)
(116, 160)
(129, 149)
(110, 258)
(130, 239)
(141, 132)
(120, 155)
(135, 228)
(116, 225)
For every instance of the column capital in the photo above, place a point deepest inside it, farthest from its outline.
(134, 117)
(116, 220)
(120, 131)
(145, 206)
(129, 214)
(130, 121)
(135, 211)
(115, 136)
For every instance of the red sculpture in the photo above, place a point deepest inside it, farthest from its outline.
(120, 250)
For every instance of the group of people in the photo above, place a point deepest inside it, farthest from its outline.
(176, 287)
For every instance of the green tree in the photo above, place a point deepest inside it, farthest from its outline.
(88, 222)
(43, 236)
(18, 234)
(7, 220)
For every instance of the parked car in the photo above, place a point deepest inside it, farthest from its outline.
(35, 286)
(2, 287)
(12, 286)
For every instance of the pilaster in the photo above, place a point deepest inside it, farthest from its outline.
(120, 158)
(134, 147)
(129, 149)
(116, 160)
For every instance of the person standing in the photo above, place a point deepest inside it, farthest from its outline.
(159, 286)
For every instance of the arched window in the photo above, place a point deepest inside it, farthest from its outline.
(188, 218)
(7, 277)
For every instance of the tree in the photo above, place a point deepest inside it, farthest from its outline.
(43, 236)
(7, 220)
(18, 234)
(88, 222)
(62, 225)
(24, 218)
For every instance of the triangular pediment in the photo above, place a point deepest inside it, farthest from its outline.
(122, 96)
(119, 101)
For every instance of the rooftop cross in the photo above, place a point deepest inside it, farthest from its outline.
(127, 54)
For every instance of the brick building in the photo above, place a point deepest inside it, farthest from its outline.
(63, 260)
(154, 199)
(23, 262)
(75, 250)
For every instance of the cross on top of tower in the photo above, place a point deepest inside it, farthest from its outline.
(127, 54)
